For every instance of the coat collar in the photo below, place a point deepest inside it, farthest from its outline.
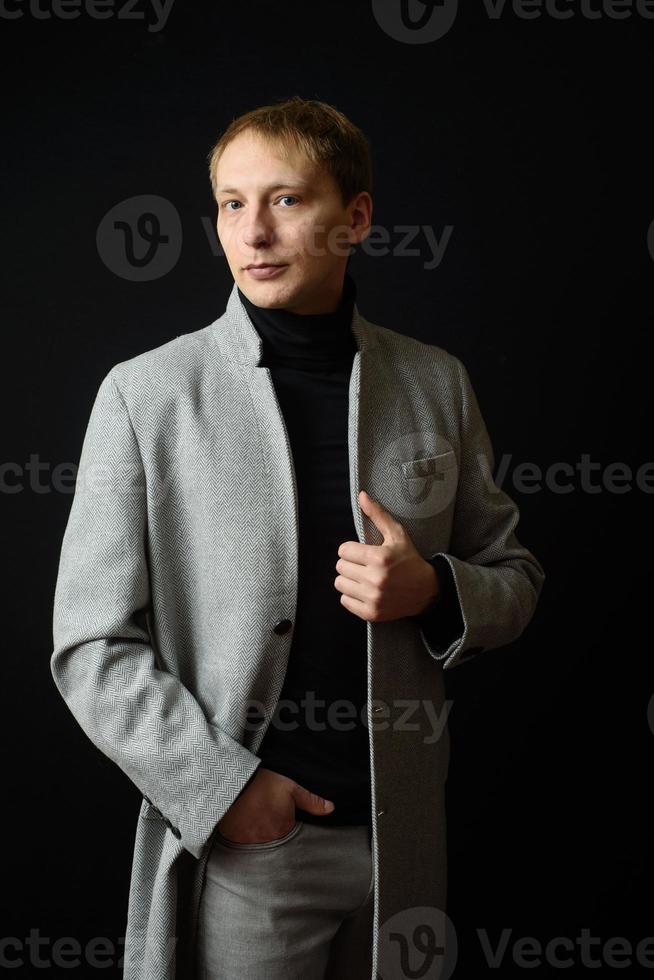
(241, 343)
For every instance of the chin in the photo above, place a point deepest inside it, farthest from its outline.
(268, 294)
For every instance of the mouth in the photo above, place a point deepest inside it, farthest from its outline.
(264, 270)
(264, 265)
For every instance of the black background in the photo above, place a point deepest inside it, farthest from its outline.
(530, 138)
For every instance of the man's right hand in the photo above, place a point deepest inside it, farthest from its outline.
(265, 809)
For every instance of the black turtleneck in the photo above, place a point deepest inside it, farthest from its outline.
(322, 746)
(316, 342)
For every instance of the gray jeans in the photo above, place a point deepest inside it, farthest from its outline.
(296, 908)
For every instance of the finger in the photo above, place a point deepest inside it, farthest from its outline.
(380, 517)
(357, 552)
(355, 590)
(353, 571)
(355, 606)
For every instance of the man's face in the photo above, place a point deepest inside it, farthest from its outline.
(287, 213)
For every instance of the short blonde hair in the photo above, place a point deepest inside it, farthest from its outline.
(319, 130)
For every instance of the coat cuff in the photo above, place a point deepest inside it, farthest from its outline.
(196, 833)
(443, 626)
(442, 623)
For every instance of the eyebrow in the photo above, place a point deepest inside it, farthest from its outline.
(298, 182)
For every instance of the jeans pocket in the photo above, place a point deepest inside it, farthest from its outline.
(265, 845)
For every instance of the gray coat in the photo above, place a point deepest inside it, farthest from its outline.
(178, 571)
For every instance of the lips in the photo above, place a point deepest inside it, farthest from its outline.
(266, 271)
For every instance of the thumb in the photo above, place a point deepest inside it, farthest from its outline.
(311, 802)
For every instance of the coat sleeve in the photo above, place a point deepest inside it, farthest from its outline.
(103, 663)
(497, 580)
(442, 623)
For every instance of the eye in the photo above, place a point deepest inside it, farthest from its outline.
(225, 203)
(287, 197)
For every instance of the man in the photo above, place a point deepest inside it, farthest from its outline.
(231, 566)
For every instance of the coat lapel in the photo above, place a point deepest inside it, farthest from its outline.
(242, 345)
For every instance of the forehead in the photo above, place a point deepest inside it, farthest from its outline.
(250, 159)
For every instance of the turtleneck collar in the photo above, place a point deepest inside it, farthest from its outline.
(307, 341)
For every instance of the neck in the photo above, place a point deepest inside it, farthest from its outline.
(307, 340)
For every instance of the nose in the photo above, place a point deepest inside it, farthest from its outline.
(256, 239)
(256, 228)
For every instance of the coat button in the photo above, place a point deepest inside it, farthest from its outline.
(378, 707)
(380, 813)
(283, 626)
(176, 832)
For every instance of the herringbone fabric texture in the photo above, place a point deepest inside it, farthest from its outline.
(180, 557)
